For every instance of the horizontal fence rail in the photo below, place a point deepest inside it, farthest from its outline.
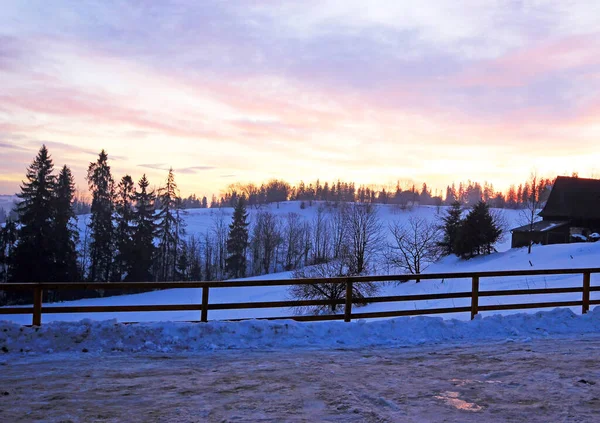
(348, 301)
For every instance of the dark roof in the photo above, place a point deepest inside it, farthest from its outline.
(541, 226)
(573, 198)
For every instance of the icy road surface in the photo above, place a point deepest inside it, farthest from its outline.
(550, 380)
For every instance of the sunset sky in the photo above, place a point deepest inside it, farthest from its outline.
(369, 91)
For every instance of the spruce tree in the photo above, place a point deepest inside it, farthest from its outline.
(101, 185)
(183, 263)
(170, 228)
(450, 227)
(8, 240)
(195, 273)
(490, 231)
(237, 242)
(478, 232)
(124, 229)
(34, 253)
(143, 248)
(66, 235)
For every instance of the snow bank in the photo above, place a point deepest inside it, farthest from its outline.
(110, 336)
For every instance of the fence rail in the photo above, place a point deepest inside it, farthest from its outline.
(205, 306)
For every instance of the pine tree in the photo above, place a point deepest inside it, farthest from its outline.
(101, 185)
(124, 230)
(66, 235)
(170, 227)
(450, 227)
(195, 258)
(34, 256)
(478, 232)
(237, 242)
(143, 249)
(8, 240)
(183, 263)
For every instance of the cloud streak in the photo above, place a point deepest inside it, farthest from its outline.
(190, 170)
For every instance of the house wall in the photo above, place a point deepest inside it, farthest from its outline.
(559, 235)
(587, 226)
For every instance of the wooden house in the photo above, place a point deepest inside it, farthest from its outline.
(571, 214)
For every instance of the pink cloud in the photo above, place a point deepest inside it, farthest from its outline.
(521, 67)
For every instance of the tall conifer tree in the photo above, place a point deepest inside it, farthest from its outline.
(450, 227)
(34, 256)
(478, 232)
(170, 227)
(237, 242)
(66, 235)
(124, 229)
(8, 240)
(143, 236)
(101, 185)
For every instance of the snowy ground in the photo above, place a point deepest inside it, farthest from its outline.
(547, 257)
(553, 256)
(538, 367)
(553, 380)
(95, 337)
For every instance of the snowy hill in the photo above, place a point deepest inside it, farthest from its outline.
(7, 202)
(199, 221)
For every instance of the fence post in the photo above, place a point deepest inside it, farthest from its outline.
(348, 308)
(204, 316)
(474, 296)
(585, 305)
(37, 306)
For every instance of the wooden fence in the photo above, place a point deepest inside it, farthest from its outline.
(203, 308)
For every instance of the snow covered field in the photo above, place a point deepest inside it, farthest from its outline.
(198, 221)
(547, 257)
(552, 380)
(555, 256)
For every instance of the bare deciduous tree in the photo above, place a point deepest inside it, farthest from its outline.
(293, 238)
(338, 229)
(531, 206)
(266, 239)
(208, 252)
(363, 237)
(306, 242)
(328, 291)
(220, 232)
(320, 237)
(414, 245)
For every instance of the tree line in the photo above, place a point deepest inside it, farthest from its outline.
(467, 194)
(127, 237)
(404, 196)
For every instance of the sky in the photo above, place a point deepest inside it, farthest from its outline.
(246, 91)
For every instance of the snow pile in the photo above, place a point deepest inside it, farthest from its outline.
(110, 336)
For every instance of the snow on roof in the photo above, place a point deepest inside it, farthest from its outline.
(541, 226)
